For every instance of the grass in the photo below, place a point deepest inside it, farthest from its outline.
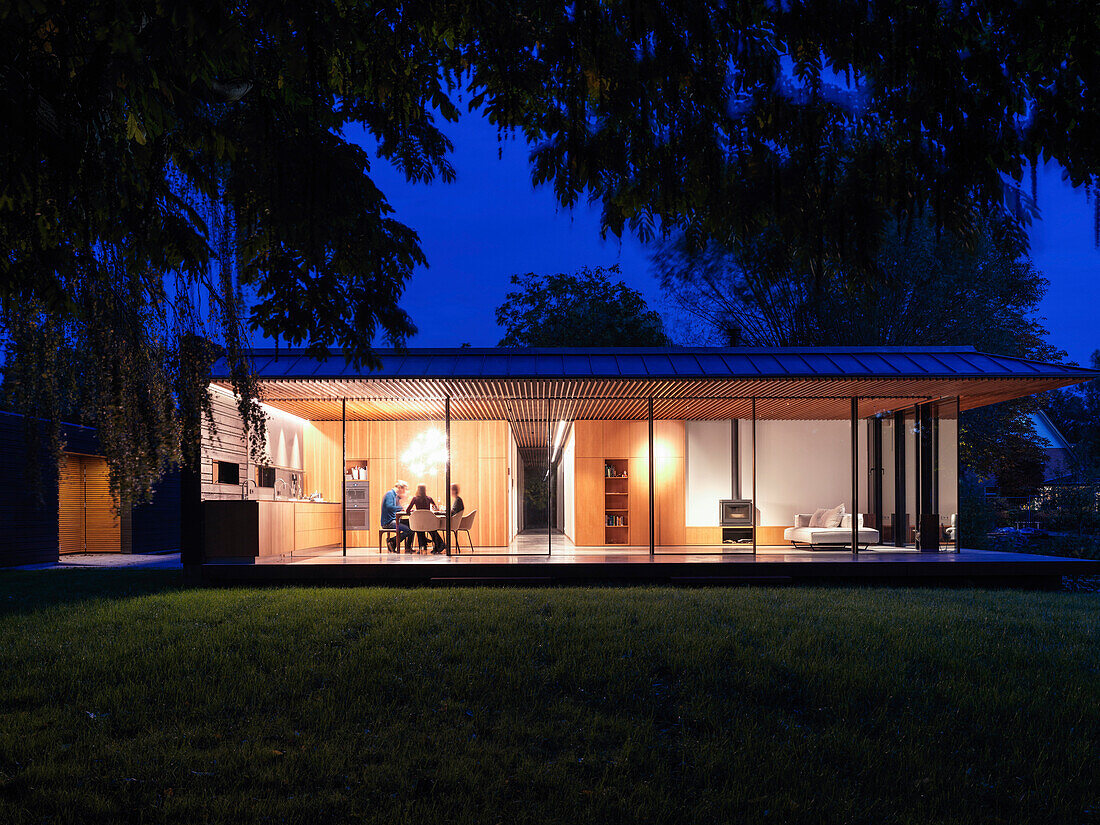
(129, 698)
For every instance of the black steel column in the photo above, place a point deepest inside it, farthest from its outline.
(447, 437)
(855, 475)
(958, 427)
(754, 476)
(901, 529)
(343, 473)
(928, 520)
(652, 475)
(874, 472)
(735, 460)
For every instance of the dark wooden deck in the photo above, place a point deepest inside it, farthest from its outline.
(966, 568)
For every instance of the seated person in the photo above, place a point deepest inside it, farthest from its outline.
(422, 501)
(391, 506)
(456, 501)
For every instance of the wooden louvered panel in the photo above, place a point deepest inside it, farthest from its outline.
(104, 533)
(524, 402)
(70, 505)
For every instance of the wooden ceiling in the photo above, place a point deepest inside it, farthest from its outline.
(530, 404)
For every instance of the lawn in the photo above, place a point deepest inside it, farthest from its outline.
(127, 697)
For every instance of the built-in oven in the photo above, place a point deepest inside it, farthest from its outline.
(356, 494)
(356, 504)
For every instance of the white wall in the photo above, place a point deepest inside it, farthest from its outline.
(804, 465)
(567, 491)
(707, 470)
(948, 469)
(514, 512)
(285, 434)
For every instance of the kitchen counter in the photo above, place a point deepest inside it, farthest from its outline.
(259, 527)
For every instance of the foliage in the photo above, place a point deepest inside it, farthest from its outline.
(927, 289)
(543, 705)
(585, 309)
(183, 170)
(977, 517)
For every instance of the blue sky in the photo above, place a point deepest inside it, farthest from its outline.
(491, 223)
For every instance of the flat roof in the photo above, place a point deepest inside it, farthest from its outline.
(658, 362)
(527, 387)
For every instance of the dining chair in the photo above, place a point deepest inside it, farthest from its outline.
(423, 522)
(454, 526)
(465, 525)
(382, 531)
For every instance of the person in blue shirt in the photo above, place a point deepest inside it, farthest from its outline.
(391, 506)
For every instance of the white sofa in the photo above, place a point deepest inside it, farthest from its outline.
(802, 533)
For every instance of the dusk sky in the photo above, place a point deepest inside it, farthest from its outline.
(491, 223)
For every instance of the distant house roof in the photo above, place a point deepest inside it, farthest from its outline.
(1050, 435)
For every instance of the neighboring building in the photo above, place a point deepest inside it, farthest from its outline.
(68, 509)
(1059, 453)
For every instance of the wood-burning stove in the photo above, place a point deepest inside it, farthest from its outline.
(735, 517)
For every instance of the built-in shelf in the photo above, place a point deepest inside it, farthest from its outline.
(616, 501)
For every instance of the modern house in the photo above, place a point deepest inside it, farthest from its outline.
(667, 452)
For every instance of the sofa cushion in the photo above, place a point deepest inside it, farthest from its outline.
(818, 518)
(832, 517)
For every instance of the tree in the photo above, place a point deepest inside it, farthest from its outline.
(928, 289)
(177, 172)
(586, 309)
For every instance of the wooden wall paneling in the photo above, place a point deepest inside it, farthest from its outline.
(70, 505)
(492, 439)
(670, 517)
(382, 444)
(617, 440)
(322, 460)
(589, 438)
(709, 536)
(465, 472)
(588, 501)
(640, 439)
(359, 439)
(104, 533)
(224, 442)
(767, 535)
(491, 525)
(639, 501)
(669, 437)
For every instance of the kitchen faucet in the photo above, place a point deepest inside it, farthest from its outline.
(279, 481)
(244, 489)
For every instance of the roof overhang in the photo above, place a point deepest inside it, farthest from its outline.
(561, 384)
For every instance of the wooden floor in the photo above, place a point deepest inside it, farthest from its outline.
(533, 560)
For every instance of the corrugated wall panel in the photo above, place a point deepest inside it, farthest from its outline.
(104, 531)
(70, 505)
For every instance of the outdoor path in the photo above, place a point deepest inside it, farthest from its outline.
(83, 561)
